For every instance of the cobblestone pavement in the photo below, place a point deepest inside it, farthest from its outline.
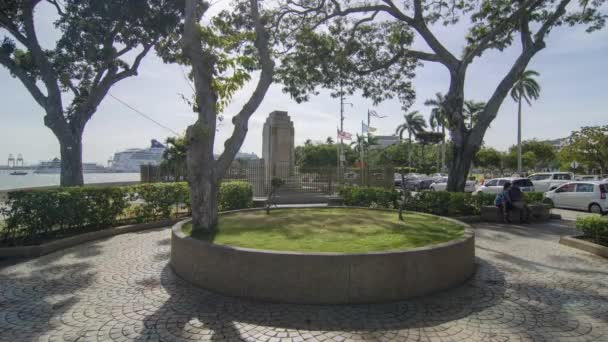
(527, 288)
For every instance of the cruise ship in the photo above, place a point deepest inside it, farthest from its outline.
(130, 160)
(54, 166)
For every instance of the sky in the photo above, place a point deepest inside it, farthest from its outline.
(574, 79)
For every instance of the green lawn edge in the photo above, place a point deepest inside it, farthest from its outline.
(337, 230)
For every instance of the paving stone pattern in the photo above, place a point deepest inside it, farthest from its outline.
(527, 288)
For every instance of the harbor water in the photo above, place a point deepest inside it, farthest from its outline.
(31, 180)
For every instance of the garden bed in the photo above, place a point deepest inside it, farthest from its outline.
(304, 261)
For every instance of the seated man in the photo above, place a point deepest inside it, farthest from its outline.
(517, 200)
(503, 201)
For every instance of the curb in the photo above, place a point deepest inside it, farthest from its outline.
(53, 246)
(575, 242)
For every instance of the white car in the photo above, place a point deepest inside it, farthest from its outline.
(496, 185)
(588, 196)
(442, 183)
(546, 181)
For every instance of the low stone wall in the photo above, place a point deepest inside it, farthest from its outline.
(322, 278)
(59, 244)
(538, 213)
(587, 246)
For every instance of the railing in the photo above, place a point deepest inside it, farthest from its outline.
(319, 180)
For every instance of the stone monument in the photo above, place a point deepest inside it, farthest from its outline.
(278, 145)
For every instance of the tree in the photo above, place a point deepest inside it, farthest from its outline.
(544, 153)
(527, 88)
(329, 140)
(588, 146)
(321, 156)
(494, 24)
(174, 155)
(488, 158)
(222, 52)
(438, 116)
(413, 124)
(70, 80)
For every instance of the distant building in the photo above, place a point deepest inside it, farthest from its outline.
(385, 141)
(246, 156)
(557, 143)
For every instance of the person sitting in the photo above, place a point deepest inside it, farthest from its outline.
(503, 202)
(517, 201)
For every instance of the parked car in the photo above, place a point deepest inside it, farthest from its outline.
(545, 181)
(582, 195)
(494, 186)
(414, 181)
(442, 183)
(590, 178)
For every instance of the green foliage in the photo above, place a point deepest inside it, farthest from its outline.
(368, 196)
(540, 154)
(37, 215)
(594, 227)
(345, 60)
(589, 147)
(440, 203)
(235, 195)
(488, 158)
(413, 123)
(526, 87)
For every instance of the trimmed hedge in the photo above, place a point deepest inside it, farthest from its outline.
(235, 195)
(595, 228)
(36, 215)
(369, 197)
(440, 203)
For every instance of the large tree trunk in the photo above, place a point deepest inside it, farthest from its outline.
(462, 156)
(204, 194)
(202, 178)
(71, 160)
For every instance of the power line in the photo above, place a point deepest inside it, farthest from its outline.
(142, 114)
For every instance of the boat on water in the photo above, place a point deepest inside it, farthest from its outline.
(54, 166)
(18, 173)
(131, 159)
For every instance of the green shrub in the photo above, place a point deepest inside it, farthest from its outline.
(440, 203)
(594, 227)
(235, 195)
(369, 196)
(533, 197)
(35, 215)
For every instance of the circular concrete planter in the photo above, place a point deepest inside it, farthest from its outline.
(323, 278)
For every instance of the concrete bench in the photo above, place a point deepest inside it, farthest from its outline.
(538, 213)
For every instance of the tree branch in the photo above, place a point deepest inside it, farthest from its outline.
(241, 120)
(8, 25)
(547, 25)
(485, 42)
(28, 82)
(46, 70)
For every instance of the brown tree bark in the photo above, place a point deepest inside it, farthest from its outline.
(205, 173)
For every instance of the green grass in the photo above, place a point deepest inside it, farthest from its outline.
(330, 230)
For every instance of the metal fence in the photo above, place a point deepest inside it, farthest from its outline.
(317, 180)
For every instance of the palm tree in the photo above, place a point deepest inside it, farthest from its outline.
(471, 111)
(527, 88)
(437, 115)
(414, 123)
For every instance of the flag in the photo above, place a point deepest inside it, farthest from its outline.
(375, 114)
(344, 135)
(367, 129)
